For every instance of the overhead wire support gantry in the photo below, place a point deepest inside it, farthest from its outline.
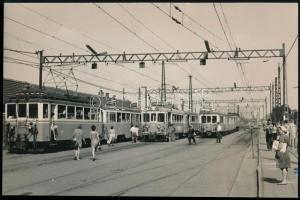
(168, 57)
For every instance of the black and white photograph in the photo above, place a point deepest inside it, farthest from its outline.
(150, 99)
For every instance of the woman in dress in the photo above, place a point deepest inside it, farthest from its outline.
(283, 158)
(94, 135)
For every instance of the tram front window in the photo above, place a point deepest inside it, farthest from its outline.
(87, 113)
(161, 117)
(153, 117)
(208, 119)
(79, 112)
(45, 111)
(214, 119)
(11, 111)
(203, 119)
(22, 110)
(33, 111)
(146, 117)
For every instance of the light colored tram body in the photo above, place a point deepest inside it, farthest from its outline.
(208, 123)
(69, 112)
(155, 123)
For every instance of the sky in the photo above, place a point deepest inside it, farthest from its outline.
(66, 28)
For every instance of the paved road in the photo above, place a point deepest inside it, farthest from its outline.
(158, 169)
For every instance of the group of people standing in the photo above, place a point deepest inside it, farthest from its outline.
(281, 137)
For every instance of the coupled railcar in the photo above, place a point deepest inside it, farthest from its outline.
(46, 120)
(208, 123)
(155, 123)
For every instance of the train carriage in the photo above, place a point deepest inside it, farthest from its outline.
(208, 123)
(46, 120)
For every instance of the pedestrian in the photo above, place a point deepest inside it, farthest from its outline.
(191, 134)
(172, 132)
(78, 139)
(136, 132)
(282, 154)
(53, 128)
(269, 135)
(111, 136)
(133, 131)
(274, 131)
(219, 132)
(293, 135)
(94, 135)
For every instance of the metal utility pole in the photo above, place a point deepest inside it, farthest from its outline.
(41, 70)
(182, 104)
(190, 94)
(273, 97)
(270, 99)
(284, 81)
(276, 93)
(279, 86)
(163, 84)
(146, 95)
(139, 99)
(123, 99)
(266, 106)
(101, 113)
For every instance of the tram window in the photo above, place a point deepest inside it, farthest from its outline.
(153, 117)
(22, 110)
(221, 119)
(87, 113)
(119, 117)
(11, 111)
(173, 118)
(79, 112)
(208, 119)
(61, 112)
(161, 117)
(128, 117)
(203, 119)
(146, 117)
(214, 119)
(112, 117)
(45, 111)
(71, 112)
(123, 117)
(33, 110)
(93, 113)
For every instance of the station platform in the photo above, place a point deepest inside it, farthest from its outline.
(270, 175)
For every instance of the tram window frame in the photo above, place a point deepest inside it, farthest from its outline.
(159, 116)
(23, 111)
(214, 119)
(153, 115)
(146, 119)
(14, 112)
(79, 108)
(45, 111)
(69, 113)
(203, 119)
(31, 109)
(112, 116)
(86, 113)
(60, 112)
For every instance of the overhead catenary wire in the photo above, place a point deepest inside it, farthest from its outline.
(292, 46)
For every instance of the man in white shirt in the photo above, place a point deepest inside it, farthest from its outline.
(293, 134)
(219, 134)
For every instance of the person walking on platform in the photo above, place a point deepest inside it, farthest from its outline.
(191, 135)
(78, 138)
(94, 136)
(219, 133)
(293, 134)
(111, 136)
(283, 161)
(269, 136)
(274, 131)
